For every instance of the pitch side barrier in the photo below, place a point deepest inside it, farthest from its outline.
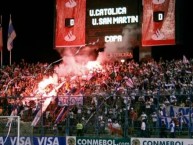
(73, 140)
(33, 140)
(100, 141)
(161, 141)
(68, 140)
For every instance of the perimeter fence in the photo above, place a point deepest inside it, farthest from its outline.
(110, 115)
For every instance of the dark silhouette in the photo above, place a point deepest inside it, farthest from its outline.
(163, 130)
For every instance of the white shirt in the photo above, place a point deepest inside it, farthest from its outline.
(154, 117)
(172, 127)
(143, 126)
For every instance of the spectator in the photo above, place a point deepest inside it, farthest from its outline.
(154, 120)
(143, 128)
(148, 106)
(133, 116)
(172, 129)
(181, 121)
(55, 130)
(79, 129)
(163, 130)
(117, 128)
(101, 125)
(143, 116)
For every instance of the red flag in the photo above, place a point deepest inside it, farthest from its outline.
(70, 23)
(158, 26)
(1, 34)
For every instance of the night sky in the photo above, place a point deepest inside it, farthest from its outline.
(33, 22)
(34, 25)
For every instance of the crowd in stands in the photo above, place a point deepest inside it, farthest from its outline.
(123, 95)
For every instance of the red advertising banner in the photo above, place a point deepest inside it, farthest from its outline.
(158, 26)
(70, 23)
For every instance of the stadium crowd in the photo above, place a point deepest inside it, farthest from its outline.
(123, 95)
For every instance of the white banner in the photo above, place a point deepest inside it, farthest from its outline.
(70, 100)
(174, 111)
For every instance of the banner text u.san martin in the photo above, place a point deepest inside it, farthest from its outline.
(108, 16)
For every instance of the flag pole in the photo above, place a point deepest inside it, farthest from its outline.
(10, 49)
(2, 42)
(10, 57)
(1, 57)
